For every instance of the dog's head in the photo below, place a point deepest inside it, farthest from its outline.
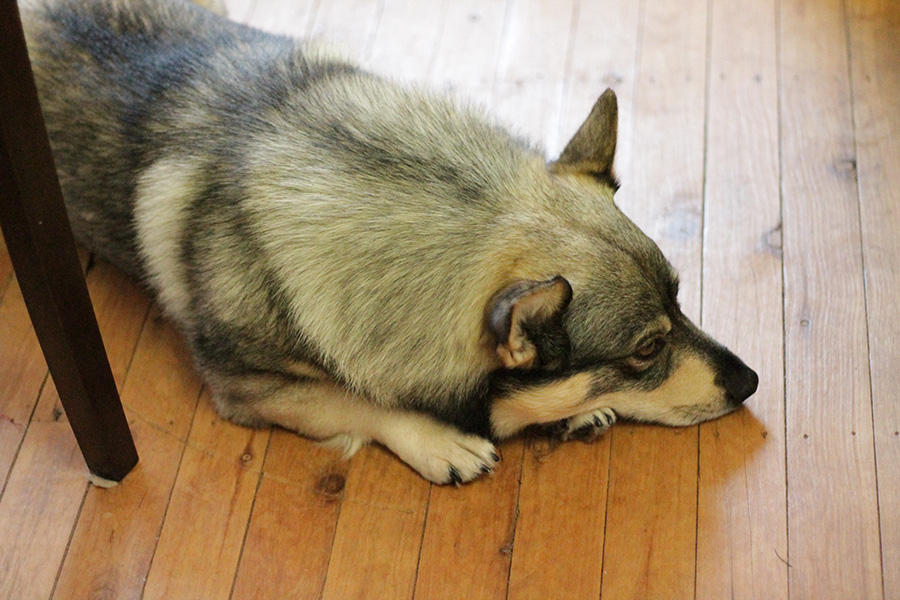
(596, 322)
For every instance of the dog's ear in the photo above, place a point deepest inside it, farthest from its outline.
(526, 320)
(593, 147)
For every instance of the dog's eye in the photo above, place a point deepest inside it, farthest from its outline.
(650, 348)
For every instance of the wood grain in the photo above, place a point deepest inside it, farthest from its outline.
(742, 504)
(651, 514)
(779, 85)
(121, 307)
(403, 53)
(288, 17)
(468, 539)
(23, 372)
(162, 374)
(115, 538)
(379, 532)
(119, 315)
(651, 519)
(348, 25)
(466, 62)
(38, 510)
(874, 29)
(562, 504)
(209, 509)
(289, 539)
(303, 485)
(602, 54)
(531, 76)
(833, 514)
(125, 522)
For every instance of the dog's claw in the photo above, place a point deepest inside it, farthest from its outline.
(585, 426)
(455, 477)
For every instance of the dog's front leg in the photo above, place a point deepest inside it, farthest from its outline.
(586, 426)
(566, 407)
(325, 411)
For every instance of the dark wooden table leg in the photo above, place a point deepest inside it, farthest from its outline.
(40, 244)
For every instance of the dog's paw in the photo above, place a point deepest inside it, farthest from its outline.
(441, 453)
(586, 426)
(456, 458)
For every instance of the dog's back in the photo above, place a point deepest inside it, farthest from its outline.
(334, 218)
(109, 75)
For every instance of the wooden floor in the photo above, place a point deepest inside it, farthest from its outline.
(759, 145)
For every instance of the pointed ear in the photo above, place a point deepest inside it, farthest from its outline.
(593, 147)
(526, 320)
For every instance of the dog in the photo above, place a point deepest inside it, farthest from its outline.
(357, 260)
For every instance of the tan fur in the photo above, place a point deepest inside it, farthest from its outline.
(162, 198)
(540, 404)
(688, 396)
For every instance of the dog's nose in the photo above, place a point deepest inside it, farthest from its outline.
(743, 386)
(739, 380)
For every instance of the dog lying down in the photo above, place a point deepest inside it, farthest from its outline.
(356, 260)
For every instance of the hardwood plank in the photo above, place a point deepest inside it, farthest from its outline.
(602, 54)
(384, 498)
(531, 76)
(563, 497)
(348, 25)
(466, 63)
(564, 489)
(241, 10)
(651, 514)
(290, 535)
(379, 532)
(651, 517)
(209, 510)
(408, 39)
(126, 523)
(38, 510)
(875, 65)
(119, 314)
(742, 514)
(471, 525)
(165, 401)
(665, 196)
(115, 537)
(23, 372)
(833, 515)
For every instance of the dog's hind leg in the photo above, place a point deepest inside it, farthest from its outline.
(328, 412)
